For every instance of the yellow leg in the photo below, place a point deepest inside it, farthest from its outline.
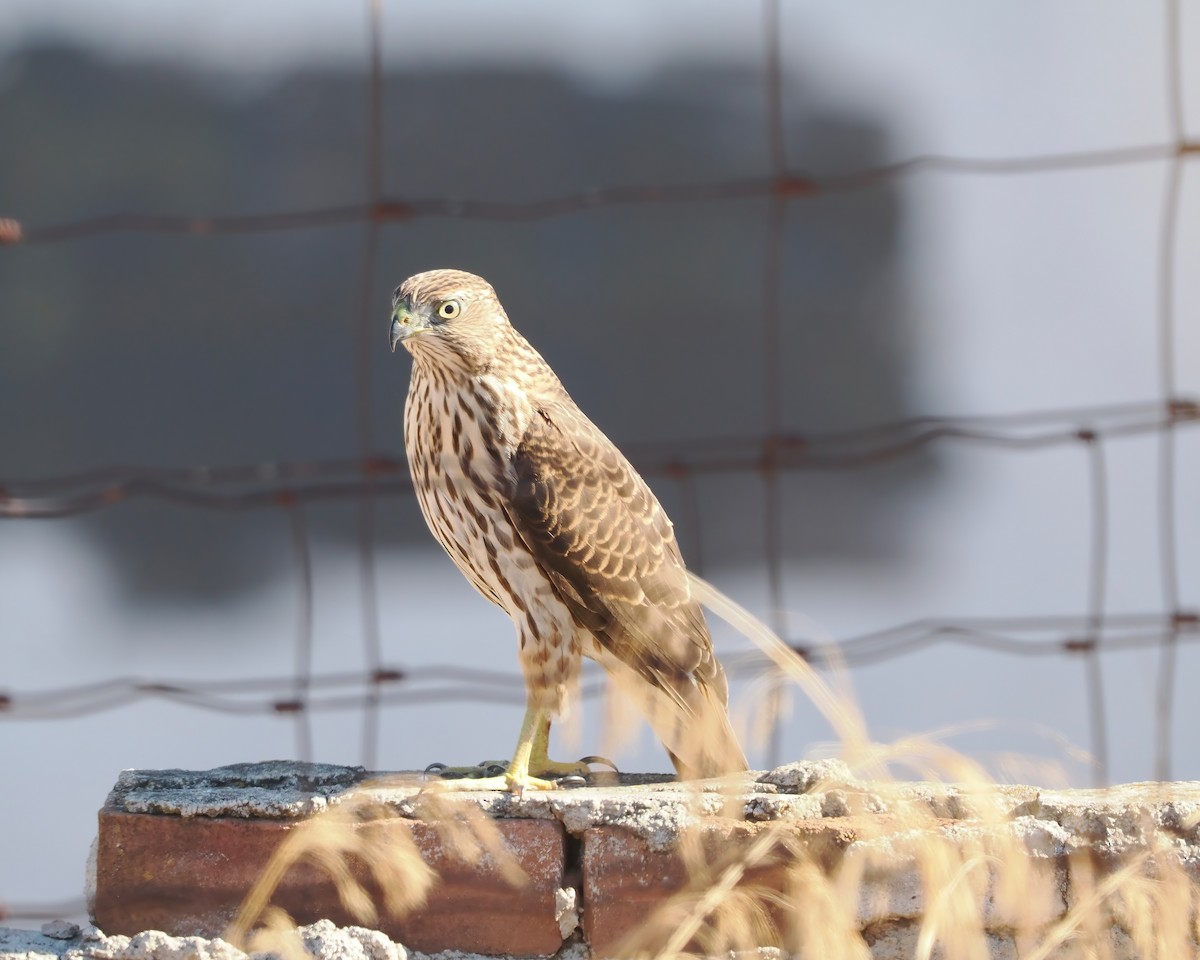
(535, 732)
(539, 757)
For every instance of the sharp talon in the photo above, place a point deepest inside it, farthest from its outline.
(603, 760)
(435, 768)
(495, 769)
(572, 782)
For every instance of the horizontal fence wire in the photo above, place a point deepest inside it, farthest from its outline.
(788, 186)
(292, 486)
(432, 683)
(285, 484)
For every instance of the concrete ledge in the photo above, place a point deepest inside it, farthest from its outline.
(321, 941)
(178, 851)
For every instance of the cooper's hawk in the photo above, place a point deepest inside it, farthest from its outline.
(547, 519)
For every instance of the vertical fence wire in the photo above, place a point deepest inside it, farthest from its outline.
(1097, 590)
(772, 310)
(365, 393)
(303, 666)
(1167, 255)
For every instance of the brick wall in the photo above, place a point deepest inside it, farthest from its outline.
(178, 852)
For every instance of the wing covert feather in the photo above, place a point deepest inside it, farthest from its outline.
(599, 533)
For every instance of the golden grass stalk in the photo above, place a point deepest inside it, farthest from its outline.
(354, 831)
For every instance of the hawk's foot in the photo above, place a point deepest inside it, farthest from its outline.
(504, 783)
(485, 768)
(582, 768)
(492, 774)
(553, 769)
(530, 768)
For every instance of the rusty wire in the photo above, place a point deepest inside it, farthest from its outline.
(281, 485)
(364, 392)
(1057, 635)
(772, 308)
(1166, 318)
(789, 185)
(290, 487)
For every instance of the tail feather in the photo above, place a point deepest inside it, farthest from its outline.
(704, 744)
(689, 717)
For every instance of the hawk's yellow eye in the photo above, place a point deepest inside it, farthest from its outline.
(449, 309)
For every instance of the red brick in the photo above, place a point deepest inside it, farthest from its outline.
(625, 880)
(187, 876)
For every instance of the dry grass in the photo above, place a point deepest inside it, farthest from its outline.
(980, 892)
(369, 865)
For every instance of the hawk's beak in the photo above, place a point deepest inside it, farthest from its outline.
(405, 324)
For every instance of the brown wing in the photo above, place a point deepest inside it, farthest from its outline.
(601, 537)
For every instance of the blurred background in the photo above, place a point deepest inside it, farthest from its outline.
(890, 304)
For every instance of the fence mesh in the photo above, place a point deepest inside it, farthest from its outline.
(290, 488)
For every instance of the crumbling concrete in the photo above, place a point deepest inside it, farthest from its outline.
(178, 851)
(322, 940)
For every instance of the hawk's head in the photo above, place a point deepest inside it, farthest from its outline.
(448, 316)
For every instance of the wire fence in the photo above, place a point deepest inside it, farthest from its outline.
(292, 487)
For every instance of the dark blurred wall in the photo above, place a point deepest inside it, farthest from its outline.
(168, 350)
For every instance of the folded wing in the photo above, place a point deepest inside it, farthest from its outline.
(600, 536)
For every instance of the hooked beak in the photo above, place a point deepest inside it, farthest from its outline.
(405, 323)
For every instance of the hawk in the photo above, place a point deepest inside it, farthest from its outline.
(547, 519)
